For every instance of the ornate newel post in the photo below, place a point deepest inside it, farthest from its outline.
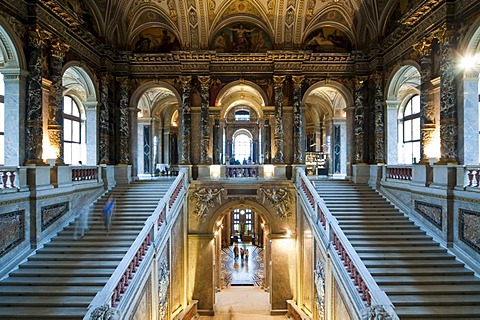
(428, 109)
(278, 133)
(448, 99)
(55, 107)
(205, 157)
(298, 128)
(124, 125)
(379, 111)
(34, 123)
(104, 120)
(185, 125)
(359, 131)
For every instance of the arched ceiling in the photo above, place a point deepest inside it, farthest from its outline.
(284, 24)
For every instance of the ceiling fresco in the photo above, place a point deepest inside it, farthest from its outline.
(241, 25)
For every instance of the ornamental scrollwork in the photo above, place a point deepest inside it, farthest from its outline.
(163, 284)
(376, 312)
(105, 312)
(319, 278)
(205, 199)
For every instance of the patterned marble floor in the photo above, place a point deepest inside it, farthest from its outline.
(244, 271)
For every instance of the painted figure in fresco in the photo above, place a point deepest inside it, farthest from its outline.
(142, 44)
(241, 42)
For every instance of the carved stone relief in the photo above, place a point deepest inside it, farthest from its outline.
(205, 199)
(279, 199)
(319, 278)
(163, 288)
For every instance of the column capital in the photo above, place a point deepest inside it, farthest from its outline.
(278, 81)
(185, 80)
(297, 80)
(59, 48)
(204, 81)
(423, 47)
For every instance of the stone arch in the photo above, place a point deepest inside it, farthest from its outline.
(12, 64)
(140, 90)
(257, 100)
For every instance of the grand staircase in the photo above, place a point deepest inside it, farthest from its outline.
(60, 280)
(421, 278)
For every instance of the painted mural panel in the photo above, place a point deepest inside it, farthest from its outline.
(12, 225)
(241, 37)
(155, 40)
(470, 228)
(52, 213)
(329, 40)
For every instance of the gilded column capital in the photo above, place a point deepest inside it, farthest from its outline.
(185, 80)
(59, 48)
(423, 47)
(204, 81)
(297, 80)
(278, 81)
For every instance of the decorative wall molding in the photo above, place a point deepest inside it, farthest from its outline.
(469, 228)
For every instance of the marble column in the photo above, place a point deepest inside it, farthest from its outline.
(359, 131)
(379, 112)
(298, 127)
(278, 132)
(468, 125)
(133, 114)
(91, 132)
(448, 99)
(124, 121)
(185, 120)
(104, 119)
(268, 141)
(392, 131)
(14, 103)
(205, 157)
(34, 123)
(427, 119)
(55, 107)
(216, 140)
(223, 142)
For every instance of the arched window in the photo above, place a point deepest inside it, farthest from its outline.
(410, 131)
(2, 120)
(242, 147)
(242, 115)
(72, 138)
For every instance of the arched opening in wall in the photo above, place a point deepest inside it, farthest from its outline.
(326, 134)
(403, 117)
(157, 131)
(241, 236)
(242, 134)
(12, 124)
(79, 117)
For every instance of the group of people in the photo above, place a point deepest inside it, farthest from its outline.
(81, 226)
(243, 253)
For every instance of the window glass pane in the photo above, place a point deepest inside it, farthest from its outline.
(67, 105)
(242, 147)
(76, 153)
(416, 151)
(67, 151)
(67, 130)
(2, 85)
(2, 149)
(75, 131)
(407, 149)
(75, 110)
(416, 129)
(408, 109)
(415, 104)
(2, 117)
(407, 130)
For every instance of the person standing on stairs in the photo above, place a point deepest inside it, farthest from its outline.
(108, 211)
(81, 225)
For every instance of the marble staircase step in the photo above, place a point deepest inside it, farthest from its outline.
(61, 272)
(38, 313)
(394, 271)
(64, 301)
(412, 248)
(405, 255)
(438, 312)
(55, 281)
(33, 290)
(438, 299)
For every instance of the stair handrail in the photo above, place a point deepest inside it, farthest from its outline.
(140, 251)
(343, 252)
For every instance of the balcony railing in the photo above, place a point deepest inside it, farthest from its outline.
(397, 172)
(8, 176)
(241, 171)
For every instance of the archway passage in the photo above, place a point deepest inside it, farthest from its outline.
(242, 258)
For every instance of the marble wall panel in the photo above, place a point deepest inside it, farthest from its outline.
(177, 262)
(12, 225)
(283, 272)
(307, 266)
(339, 308)
(142, 309)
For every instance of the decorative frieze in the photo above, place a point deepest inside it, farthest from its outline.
(52, 213)
(279, 199)
(206, 198)
(469, 228)
(431, 212)
(12, 225)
